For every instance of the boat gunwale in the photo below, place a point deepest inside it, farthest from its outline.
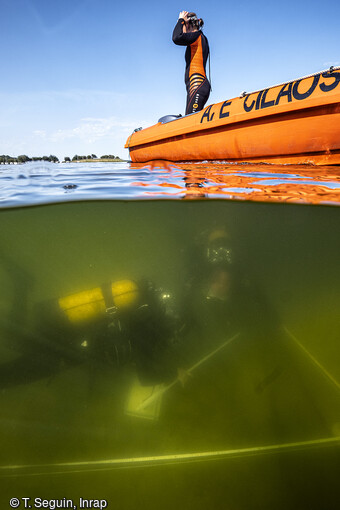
(311, 111)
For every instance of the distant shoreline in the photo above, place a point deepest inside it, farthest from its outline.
(19, 160)
(98, 160)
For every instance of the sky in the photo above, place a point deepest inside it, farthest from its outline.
(78, 76)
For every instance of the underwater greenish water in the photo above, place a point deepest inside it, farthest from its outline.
(257, 422)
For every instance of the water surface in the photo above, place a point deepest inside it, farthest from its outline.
(39, 183)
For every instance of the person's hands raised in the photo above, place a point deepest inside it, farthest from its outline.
(183, 15)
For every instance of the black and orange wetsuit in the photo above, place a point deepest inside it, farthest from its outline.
(196, 55)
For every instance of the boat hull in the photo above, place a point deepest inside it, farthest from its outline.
(297, 122)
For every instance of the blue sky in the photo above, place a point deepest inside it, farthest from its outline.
(79, 75)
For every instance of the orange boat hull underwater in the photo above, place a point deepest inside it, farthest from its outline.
(296, 122)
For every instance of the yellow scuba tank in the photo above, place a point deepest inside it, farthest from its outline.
(125, 294)
(91, 304)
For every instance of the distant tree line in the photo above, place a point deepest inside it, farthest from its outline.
(5, 159)
(24, 159)
(91, 156)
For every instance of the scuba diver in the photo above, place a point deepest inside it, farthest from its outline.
(220, 300)
(118, 323)
(187, 32)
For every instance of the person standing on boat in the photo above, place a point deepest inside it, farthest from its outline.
(187, 32)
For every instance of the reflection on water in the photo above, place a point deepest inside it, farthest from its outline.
(186, 350)
(274, 183)
(40, 183)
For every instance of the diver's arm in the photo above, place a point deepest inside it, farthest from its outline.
(183, 39)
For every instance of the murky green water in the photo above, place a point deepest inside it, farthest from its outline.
(264, 410)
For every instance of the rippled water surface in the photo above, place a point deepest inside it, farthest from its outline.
(239, 289)
(38, 183)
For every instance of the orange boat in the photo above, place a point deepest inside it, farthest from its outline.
(295, 122)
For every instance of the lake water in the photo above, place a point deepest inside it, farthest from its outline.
(40, 183)
(243, 287)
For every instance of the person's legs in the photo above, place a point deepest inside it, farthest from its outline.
(197, 99)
